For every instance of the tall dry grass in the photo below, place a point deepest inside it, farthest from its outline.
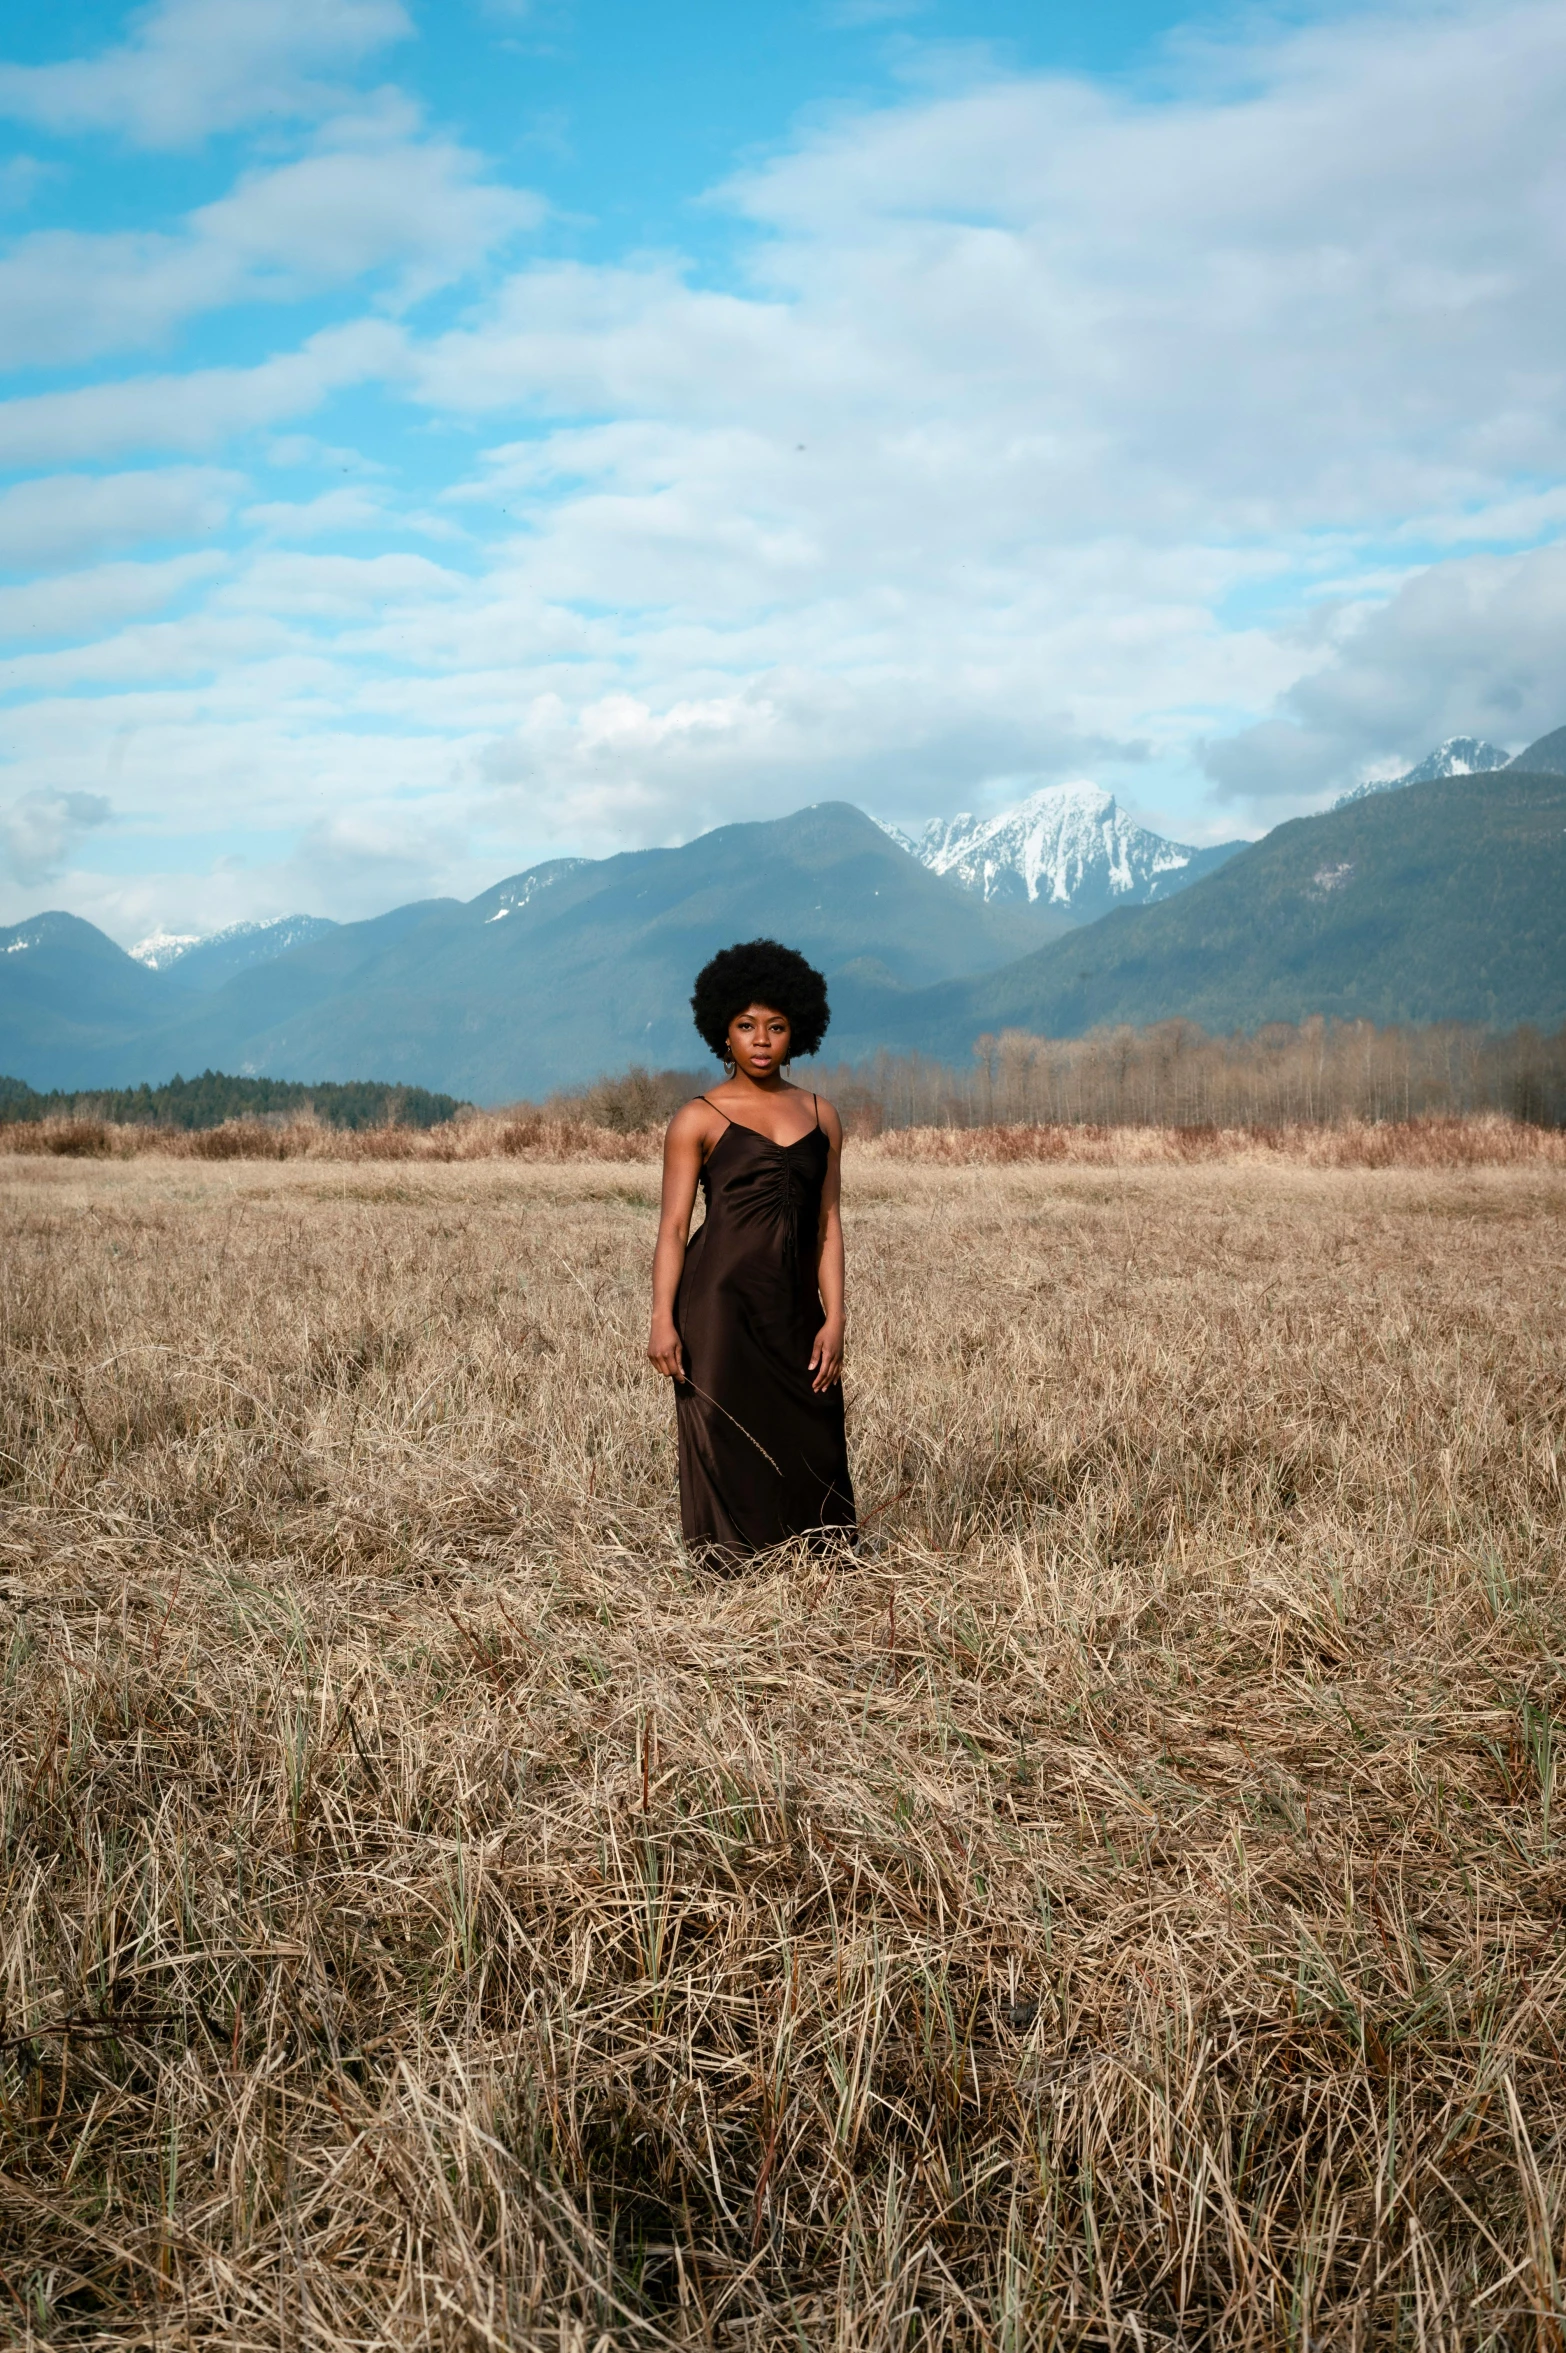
(520, 1134)
(1487, 1140)
(1124, 1907)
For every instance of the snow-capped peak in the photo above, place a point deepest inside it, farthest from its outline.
(1460, 755)
(162, 948)
(1069, 845)
(272, 935)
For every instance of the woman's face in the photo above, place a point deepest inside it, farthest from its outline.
(759, 1041)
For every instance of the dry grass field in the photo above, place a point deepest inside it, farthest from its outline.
(1126, 1907)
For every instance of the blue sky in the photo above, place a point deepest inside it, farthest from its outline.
(435, 439)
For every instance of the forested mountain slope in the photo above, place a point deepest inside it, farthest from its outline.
(1443, 902)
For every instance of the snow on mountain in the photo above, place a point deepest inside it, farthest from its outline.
(204, 960)
(509, 898)
(1068, 844)
(1460, 755)
(162, 948)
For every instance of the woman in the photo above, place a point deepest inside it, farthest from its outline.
(748, 1316)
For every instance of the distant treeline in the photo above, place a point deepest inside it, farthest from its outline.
(1173, 1074)
(212, 1098)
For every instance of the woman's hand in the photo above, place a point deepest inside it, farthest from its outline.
(664, 1350)
(826, 1358)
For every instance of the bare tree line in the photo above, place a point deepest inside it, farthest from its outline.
(1174, 1074)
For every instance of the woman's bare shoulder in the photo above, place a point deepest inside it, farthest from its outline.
(827, 1114)
(693, 1119)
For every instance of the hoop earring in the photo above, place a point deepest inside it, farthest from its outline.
(730, 1065)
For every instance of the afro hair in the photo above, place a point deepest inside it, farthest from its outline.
(760, 972)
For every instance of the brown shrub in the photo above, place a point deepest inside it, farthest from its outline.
(73, 1139)
(537, 1136)
(235, 1139)
(1487, 1141)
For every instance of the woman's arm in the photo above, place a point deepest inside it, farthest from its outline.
(682, 1153)
(826, 1358)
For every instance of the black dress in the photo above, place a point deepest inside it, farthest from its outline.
(762, 1454)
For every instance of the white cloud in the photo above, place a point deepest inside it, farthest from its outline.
(1468, 647)
(79, 604)
(359, 861)
(331, 587)
(366, 200)
(196, 67)
(38, 831)
(623, 769)
(341, 513)
(1251, 313)
(201, 409)
(59, 519)
(416, 208)
(68, 297)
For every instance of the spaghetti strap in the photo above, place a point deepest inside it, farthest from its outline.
(717, 1107)
(816, 1100)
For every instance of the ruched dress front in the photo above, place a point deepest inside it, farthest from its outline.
(762, 1454)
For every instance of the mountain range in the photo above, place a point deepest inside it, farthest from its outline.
(576, 967)
(1441, 901)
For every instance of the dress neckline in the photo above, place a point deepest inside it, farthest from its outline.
(760, 1134)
